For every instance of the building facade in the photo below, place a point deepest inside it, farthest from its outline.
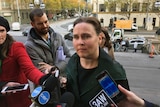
(16, 10)
(143, 12)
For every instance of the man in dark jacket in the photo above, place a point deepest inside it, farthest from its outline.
(45, 47)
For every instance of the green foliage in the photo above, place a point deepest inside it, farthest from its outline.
(52, 4)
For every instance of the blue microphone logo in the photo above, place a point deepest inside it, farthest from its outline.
(44, 97)
(36, 92)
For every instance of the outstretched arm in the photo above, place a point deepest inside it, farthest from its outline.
(132, 100)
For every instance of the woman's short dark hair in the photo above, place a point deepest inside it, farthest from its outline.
(91, 20)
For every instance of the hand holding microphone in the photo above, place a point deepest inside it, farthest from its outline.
(52, 76)
(62, 79)
(48, 83)
(42, 94)
(44, 67)
(63, 82)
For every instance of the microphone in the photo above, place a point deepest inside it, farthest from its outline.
(42, 93)
(67, 98)
(50, 83)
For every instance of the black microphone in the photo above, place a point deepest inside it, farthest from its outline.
(42, 94)
(67, 98)
(50, 83)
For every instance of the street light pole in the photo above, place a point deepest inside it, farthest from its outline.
(19, 16)
(87, 8)
(97, 8)
(147, 19)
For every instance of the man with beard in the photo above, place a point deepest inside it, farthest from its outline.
(46, 48)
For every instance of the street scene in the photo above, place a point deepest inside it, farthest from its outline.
(110, 35)
(142, 72)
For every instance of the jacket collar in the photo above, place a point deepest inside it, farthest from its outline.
(34, 35)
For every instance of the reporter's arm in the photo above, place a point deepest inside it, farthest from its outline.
(132, 100)
(149, 104)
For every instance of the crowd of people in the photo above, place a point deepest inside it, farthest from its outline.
(45, 50)
(121, 45)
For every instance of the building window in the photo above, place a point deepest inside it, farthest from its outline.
(134, 20)
(112, 7)
(22, 15)
(135, 7)
(27, 16)
(124, 7)
(102, 8)
(155, 9)
(5, 5)
(144, 7)
(154, 22)
(144, 22)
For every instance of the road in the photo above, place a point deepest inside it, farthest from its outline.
(142, 72)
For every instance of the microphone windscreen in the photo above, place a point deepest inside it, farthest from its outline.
(50, 83)
(67, 98)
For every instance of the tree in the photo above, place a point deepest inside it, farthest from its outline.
(152, 7)
(52, 4)
(124, 5)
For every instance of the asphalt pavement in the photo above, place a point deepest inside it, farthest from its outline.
(143, 74)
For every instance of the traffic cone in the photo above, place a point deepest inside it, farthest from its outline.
(152, 52)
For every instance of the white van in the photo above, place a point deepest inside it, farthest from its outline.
(117, 34)
(16, 26)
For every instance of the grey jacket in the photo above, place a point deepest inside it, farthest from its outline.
(40, 51)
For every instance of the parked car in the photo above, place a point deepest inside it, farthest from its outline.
(140, 40)
(69, 36)
(16, 26)
(26, 31)
(70, 27)
(77, 15)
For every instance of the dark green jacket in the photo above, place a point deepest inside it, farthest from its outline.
(92, 88)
